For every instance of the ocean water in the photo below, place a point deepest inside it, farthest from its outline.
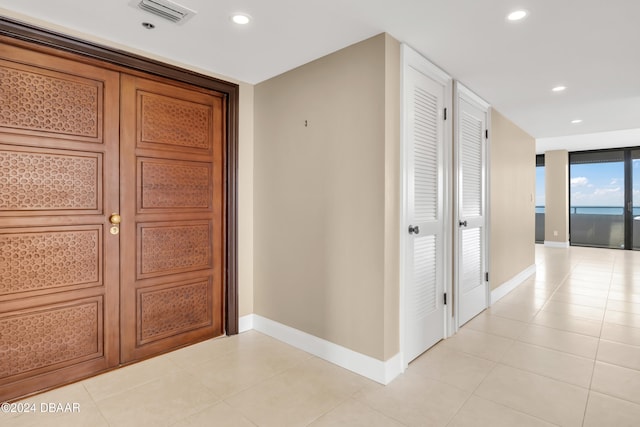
(596, 210)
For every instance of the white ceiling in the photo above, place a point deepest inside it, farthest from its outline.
(591, 141)
(590, 46)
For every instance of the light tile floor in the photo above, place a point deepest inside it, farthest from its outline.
(561, 349)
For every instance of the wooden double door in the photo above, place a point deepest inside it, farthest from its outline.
(111, 218)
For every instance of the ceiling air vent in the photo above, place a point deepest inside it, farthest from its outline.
(167, 10)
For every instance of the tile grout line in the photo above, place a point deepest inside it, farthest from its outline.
(530, 322)
(95, 403)
(363, 402)
(516, 410)
(472, 393)
(595, 359)
(500, 361)
(270, 377)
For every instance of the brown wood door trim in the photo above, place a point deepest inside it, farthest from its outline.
(28, 33)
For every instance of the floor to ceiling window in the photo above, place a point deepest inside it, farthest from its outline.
(634, 221)
(601, 212)
(540, 203)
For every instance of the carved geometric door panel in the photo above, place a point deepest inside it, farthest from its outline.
(171, 232)
(59, 281)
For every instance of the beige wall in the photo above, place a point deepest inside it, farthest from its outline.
(326, 197)
(512, 203)
(556, 211)
(245, 200)
(392, 198)
(245, 161)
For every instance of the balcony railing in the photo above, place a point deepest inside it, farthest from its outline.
(539, 224)
(599, 226)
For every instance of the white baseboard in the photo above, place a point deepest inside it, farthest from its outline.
(512, 283)
(551, 244)
(245, 323)
(361, 364)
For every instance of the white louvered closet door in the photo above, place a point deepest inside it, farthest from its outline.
(470, 153)
(424, 151)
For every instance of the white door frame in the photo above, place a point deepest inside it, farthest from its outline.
(411, 58)
(462, 91)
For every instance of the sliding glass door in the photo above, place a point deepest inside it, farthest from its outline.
(634, 220)
(605, 198)
(540, 200)
(597, 198)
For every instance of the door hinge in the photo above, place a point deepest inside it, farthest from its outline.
(445, 114)
(486, 276)
(486, 134)
(445, 298)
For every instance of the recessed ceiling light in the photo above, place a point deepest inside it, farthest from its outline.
(559, 88)
(576, 121)
(517, 15)
(241, 18)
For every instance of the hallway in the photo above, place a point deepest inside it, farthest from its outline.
(562, 349)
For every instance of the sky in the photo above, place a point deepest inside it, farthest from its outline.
(595, 184)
